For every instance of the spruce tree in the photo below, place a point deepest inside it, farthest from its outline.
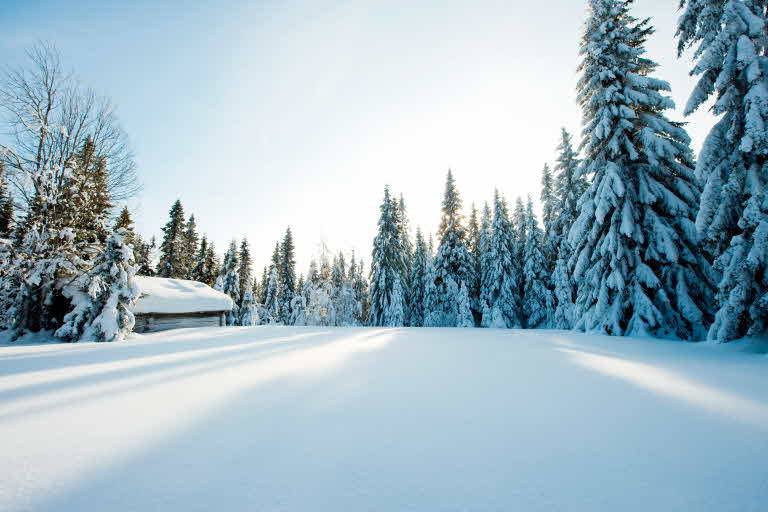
(272, 290)
(538, 300)
(172, 250)
(453, 265)
(287, 274)
(198, 272)
(145, 257)
(228, 282)
(102, 298)
(636, 261)
(418, 280)
(500, 282)
(473, 241)
(732, 62)
(387, 268)
(407, 245)
(245, 271)
(549, 203)
(191, 246)
(569, 185)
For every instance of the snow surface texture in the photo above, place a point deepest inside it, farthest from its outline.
(378, 419)
(159, 295)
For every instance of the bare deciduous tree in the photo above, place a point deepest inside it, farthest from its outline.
(47, 117)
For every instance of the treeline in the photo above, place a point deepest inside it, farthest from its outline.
(334, 292)
(638, 238)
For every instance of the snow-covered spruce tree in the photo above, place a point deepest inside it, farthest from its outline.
(248, 309)
(569, 186)
(732, 64)
(300, 301)
(538, 300)
(362, 293)
(228, 282)
(102, 297)
(500, 282)
(418, 278)
(407, 244)
(287, 274)
(473, 242)
(453, 265)
(245, 271)
(483, 246)
(191, 246)
(636, 261)
(550, 208)
(172, 262)
(198, 269)
(145, 256)
(387, 268)
(272, 291)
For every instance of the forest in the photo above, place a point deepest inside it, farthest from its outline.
(637, 236)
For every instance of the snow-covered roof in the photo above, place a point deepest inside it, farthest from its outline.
(160, 295)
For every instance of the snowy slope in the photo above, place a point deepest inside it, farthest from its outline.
(313, 419)
(160, 295)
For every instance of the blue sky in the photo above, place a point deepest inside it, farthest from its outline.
(259, 115)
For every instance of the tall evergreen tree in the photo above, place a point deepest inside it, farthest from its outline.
(549, 202)
(287, 274)
(407, 245)
(418, 280)
(473, 241)
(191, 246)
(453, 266)
(245, 271)
(538, 300)
(387, 268)
(228, 282)
(636, 260)
(569, 186)
(732, 64)
(272, 290)
(500, 282)
(172, 249)
(198, 272)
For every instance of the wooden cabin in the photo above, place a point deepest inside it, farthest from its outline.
(177, 303)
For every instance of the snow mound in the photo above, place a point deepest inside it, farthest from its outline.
(161, 295)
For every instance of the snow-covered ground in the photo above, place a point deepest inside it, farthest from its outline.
(314, 419)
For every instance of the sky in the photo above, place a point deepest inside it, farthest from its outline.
(260, 115)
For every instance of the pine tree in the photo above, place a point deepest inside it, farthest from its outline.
(636, 260)
(499, 288)
(569, 186)
(418, 280)
(198, 272)
(287, 274)
(538, 300)
(248, 311)
(228, 282)
(145, 257)
(407, 245)
(102, 298)
(191, 246)
(387, 268)
(473, 242)
(272, 290)
(453, 265)
(172, 249)
(732, 61)
(245, 271)
(549, 203)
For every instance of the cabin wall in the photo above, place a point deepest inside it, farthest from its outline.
(162, 322)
